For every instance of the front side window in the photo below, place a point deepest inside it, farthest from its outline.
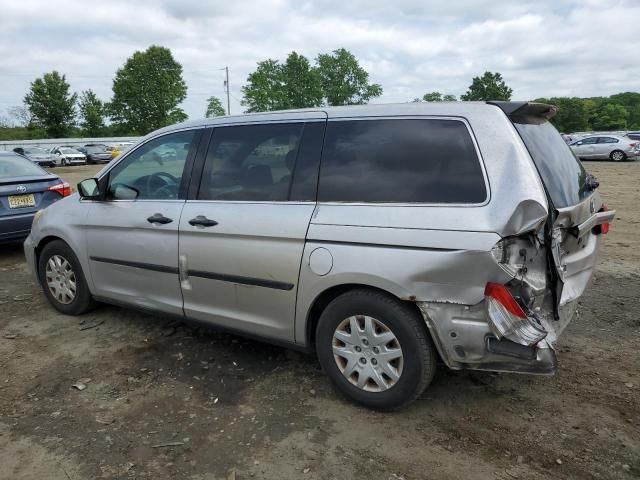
(251, 162)
(588, 141)
(153, 171)
(404, 161)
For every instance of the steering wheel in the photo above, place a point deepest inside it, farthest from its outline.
(167, 189)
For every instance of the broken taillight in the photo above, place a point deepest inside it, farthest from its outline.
(508, 319)
(62, 188)
(603, 228)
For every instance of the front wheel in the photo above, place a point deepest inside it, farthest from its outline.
(64, 162)
(62, 279)
(618, 156)
(375, 349)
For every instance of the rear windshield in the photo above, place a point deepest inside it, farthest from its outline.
(403, 160)
(562, 173)
(96, 149)
(16, 166)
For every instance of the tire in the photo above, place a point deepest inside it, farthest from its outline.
(618, 156)
(59, 252)
(414, 370)
(63, 162)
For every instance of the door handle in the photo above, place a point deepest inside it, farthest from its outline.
(159, 218)
(202, 221)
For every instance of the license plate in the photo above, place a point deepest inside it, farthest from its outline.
(22, 201)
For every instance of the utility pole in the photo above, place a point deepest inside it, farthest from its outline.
(226, 84)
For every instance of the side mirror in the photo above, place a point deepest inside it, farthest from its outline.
(89, 189)
(579, 143)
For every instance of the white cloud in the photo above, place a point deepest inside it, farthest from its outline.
(542, 48)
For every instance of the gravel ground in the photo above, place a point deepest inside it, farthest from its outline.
(165, 400)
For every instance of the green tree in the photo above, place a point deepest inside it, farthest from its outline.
(147, 91)
(573, 113)
(52, 107)
(214, 108)
(264, 89)
(432, 97)
(343, 80)
(300, 82)
(275, 86)
(92, 113)
(610, 116)
(437, 97)
(490, 86)
(630, 101)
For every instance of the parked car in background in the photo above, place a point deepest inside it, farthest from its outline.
(606, 147)
(38, 155)
(97, 153)
(69, 156)
(25, 188)
(384, 238)
(634, 135)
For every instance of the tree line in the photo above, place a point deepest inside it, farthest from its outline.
(149, 88)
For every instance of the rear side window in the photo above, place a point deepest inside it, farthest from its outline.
(251, 162)
(403, 161)
(562, 173)
(607, 140)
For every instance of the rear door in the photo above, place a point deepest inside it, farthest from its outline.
(605, 146)
(243, 230)
(577, 206)
(132, 236)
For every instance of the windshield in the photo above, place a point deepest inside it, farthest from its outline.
(16, 166)
(68, 150)
(562, 173)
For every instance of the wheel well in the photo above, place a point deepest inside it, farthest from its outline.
(41, 245)
(326, 297)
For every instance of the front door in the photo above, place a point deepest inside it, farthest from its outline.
(586, 148)
(132, 236)
(243, 234)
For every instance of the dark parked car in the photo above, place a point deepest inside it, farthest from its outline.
(634, 135)
(96, 153)
(37, 155)
(25, 188)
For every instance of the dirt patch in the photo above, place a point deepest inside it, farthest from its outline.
(171, 401)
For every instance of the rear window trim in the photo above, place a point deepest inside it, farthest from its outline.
(461, 119)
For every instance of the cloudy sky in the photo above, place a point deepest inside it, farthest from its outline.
(542, 48)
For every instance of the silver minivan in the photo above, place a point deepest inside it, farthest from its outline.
(387, 239)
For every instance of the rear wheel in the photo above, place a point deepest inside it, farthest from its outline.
(64, 162)
(62, 279)
(618, 156)
(375, 349)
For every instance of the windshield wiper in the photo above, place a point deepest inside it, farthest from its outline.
(591, 183)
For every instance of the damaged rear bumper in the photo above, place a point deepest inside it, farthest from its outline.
(465, 339)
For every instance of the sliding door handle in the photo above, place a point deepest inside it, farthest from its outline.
(159, 218)
(202, 221)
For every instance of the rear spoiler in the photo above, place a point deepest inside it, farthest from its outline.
(526, 109)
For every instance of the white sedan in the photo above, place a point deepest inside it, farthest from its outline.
(69, 156)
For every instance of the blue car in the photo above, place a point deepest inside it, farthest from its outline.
(25, 188)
